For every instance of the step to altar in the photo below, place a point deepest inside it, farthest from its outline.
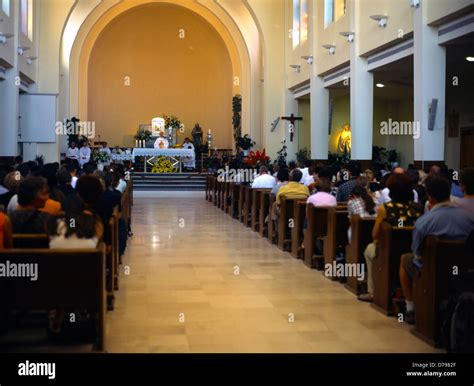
(170, 181)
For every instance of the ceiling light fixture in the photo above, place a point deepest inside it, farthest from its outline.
(381, 19)
(349, 35)
(296, 67)
(21, 50)
(414, 3)
(308, 58)
(470, 58)
(30, 59)
(331, 48)
(380, 85)
(4, 37)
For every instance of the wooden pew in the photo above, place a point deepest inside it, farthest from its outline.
(265, 206)
(214, 190)
(272, 231)
(26, 241)
(393, 242)
(256, 208)
(338, 224)
(225, 196)
(234, 199)
(242, 195)
(436, 282)
(247, 206)
(287, 210)
(67, 279)
(208, 186)
(115, 258)
(361, 236)
(317, 229)
(297, 234)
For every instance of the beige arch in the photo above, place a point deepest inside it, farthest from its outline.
(230, 20)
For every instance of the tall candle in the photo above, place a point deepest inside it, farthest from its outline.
(136, 143)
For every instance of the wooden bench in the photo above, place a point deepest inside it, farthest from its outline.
(67, 279)
(338, 224)
(264, 214)
(247, 216)
(256, 221)
(287, 209)
(26, 241)
(272, 224)
(393, 243)
(297, 232)
(436, 282)
(361, 236)
(234, 199)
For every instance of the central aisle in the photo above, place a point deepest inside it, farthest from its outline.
(182, 293)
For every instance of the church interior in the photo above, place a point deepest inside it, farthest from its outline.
(236, 176)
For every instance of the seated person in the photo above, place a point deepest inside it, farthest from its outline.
(75, 229)
(32, 196)
(263, 180)
(5, 232)
(360, 203)
(293, 189)
(161, 142)
(466, 183)
(72, 153)
(323, 197)
(65, 183)
(400, 211)
(444, 220)
(283, 177)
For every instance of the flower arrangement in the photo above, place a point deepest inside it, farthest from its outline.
(257, 159)
(172, 121)
(163, 166)
(143, 135)
(100, 157)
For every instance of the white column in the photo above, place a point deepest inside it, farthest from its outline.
(319, 119)
(362, 94)
(429, 84)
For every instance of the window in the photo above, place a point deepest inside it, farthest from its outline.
(27, 18)
(6, 7)
(328, 12)
(300, 22)
(304, 21)
(333, 10)
(296, 23)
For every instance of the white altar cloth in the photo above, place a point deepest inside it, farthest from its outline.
(149, 152)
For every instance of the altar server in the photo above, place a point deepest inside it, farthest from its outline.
(84, 154)
(72, 153)
(189, 162)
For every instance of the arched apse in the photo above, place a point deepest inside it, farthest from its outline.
(89, 17)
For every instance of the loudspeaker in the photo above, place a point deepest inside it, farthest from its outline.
(432, 114)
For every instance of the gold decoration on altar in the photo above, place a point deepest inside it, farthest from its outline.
(163, 166)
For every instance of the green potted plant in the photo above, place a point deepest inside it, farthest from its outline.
(245, 143)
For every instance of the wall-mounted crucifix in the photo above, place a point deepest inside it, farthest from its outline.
(291, 127)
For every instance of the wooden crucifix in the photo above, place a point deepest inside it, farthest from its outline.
(292, 119)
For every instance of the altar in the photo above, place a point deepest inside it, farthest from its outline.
(150, 155)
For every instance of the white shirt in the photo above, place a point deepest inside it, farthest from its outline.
(121, 186)
(84, 155)
(72, 153)
(264, 181)
(385, 197)
(164, 143)
(305, 174)
(74, 181)
(13, 204)
(308, 180)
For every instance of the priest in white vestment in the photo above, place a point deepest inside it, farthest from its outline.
(161, 142)
(189, 162)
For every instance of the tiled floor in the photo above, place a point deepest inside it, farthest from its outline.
(182, 293)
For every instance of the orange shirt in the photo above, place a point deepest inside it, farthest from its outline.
(51, 207)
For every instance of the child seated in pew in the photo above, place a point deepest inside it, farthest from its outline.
(75, 229)
(400, 211)
(444, 220)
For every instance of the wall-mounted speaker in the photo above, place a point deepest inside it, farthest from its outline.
(432, 114)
